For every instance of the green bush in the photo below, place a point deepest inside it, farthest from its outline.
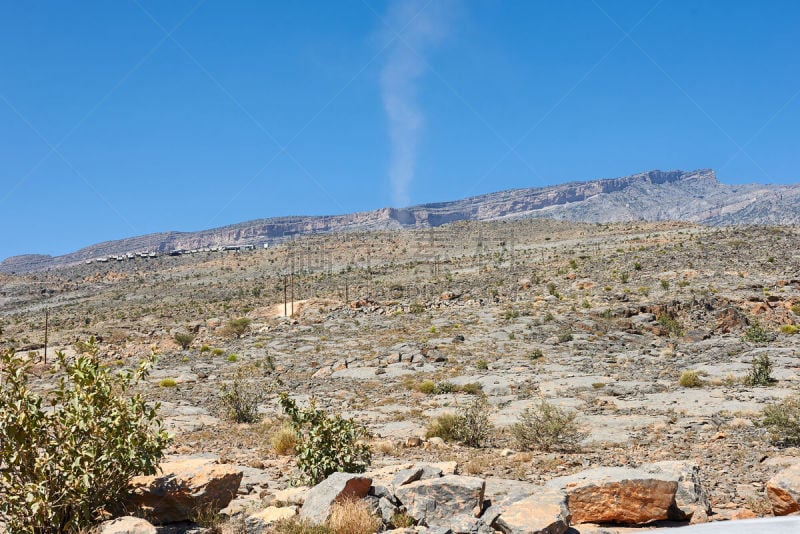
(755, 333)
(673, 327)
(760, 372)
(184, 339)
(546, 427)
(326, 444)
(67, 457)
(167, 383)
(239, 326)
(782, 421)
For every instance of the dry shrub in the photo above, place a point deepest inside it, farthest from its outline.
(284, 440)
(546, 427)
(299, 526)
(353, 516)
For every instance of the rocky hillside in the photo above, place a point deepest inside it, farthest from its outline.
(695, 196)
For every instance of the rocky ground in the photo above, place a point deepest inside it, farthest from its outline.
(601, 319)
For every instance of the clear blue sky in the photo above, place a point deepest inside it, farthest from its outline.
(126, 117)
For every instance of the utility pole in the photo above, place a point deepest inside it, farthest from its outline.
(46, 325)
(285, 310)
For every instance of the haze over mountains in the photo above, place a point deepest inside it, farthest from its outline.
(694, 196)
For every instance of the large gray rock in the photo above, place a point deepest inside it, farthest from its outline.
(436, 501)
(338, 486)
(545, 512)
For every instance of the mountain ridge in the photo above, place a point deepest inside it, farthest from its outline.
(691, 196)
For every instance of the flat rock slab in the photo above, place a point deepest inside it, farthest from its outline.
(544, 512)
(436, 501)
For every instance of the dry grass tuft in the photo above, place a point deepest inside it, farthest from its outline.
(284, 441)
(352, 516)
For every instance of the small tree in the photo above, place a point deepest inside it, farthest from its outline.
(760, 371)
(184, 339)
(68, 456)
(239, 326)
(326, 444)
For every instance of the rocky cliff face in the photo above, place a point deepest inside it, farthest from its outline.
(694, 196)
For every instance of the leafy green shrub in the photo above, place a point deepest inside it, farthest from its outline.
(536, 354)
(205, 348)
(782, 421)
(239, 326)
(326, 444)
(546, 427)
(233, 358)
(167, 383)
(755, 333)
(68, 456)
(690, 379)
(217, 352)
(184, 339)
(760, 372)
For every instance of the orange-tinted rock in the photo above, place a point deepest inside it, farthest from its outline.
(620, 495)
(184, 487)
(783, 491)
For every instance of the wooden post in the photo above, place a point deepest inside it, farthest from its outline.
(46, 325)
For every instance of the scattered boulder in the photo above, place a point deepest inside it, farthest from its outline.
(182, 487)
(126, 525)
(783, 491)
(546, 512)
(437, 500)
(338, 486)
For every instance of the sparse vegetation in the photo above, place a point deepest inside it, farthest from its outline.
(241, 396)
(755, 333)
(690, 379)
(546, 427)
(470, 425)
(782, 421)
